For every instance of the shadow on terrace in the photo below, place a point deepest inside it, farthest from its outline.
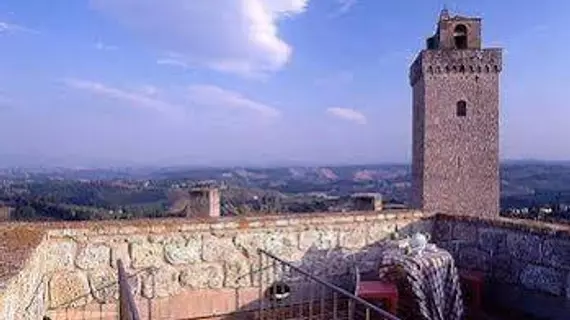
(525, 268)
(322, 284)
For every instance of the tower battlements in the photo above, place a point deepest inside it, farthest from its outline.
(489, 60)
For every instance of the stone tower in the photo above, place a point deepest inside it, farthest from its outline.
(455, 156)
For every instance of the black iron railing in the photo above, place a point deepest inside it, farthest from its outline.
(127, 307)
(289, 292)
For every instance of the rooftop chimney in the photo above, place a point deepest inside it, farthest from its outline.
(203, 202)
(367, 202)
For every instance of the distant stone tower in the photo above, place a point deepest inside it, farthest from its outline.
(455, 165)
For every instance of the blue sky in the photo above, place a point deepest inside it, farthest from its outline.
(250, 82)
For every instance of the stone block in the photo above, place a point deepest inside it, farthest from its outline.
(203, 275)
(423, 226)
(543, 279)
(472, 258)
(68, 289)
(353, 238)
(404, 227)
(7, 306)
(218, 249)
(524, 246)
(320, 238)
(283, 245)
(465, 232)
(493, 240)
(316, 261)
(556, 253)
(442, 230)
(451, 246)
(378, 231)
(238, 274)
(93, 256)
(37, 306)
(60, 255)
(104, 285)
(568, 286)
(120, 251)
(337, 263)
(145, 255)
(505, 268)
(160, 282)
(183, 251)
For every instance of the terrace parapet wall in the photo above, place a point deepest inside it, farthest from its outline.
(73, 265)
(51, 268)
(530, 254)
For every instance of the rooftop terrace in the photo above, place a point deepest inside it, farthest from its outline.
(191, 268)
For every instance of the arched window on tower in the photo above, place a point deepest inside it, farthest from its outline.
(460, 36)
(461, 108)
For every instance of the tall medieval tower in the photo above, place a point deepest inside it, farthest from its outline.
(455, 156)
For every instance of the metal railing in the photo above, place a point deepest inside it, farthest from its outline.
(288, 292)
(127, 307)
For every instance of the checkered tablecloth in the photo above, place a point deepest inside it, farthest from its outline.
(428, 284)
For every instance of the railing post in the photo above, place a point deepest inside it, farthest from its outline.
(127, 307)
(260, 256)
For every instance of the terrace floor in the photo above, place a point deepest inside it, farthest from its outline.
(302, 312)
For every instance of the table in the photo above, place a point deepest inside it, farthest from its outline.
(428, 284)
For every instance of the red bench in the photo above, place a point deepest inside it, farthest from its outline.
(379, 291)
(472, 283)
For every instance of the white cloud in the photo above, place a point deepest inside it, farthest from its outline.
(135, 99)
(173, 60)
(6, 27)
(198, 96)
(149, 90)
(347, 114)
(344, 7)
(241, 38)
(209, 95)
(104, 47)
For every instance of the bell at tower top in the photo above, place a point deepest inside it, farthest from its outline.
(456, 33)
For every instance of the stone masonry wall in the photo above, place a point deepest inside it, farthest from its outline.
(183, 268)
(532, 255)
(188, 267)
